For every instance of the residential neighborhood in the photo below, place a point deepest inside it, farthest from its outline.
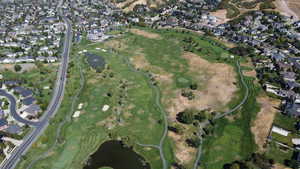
(29, 32)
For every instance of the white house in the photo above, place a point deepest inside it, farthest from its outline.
(280, 131)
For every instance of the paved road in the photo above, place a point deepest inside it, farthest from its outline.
(13, 111)
(246, 95)
(11, 162)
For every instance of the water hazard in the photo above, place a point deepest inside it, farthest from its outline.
(117, 156)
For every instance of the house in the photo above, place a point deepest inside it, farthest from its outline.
(288, 76)
(32, 111)
(13, 129)
(292, 109)
(277, 56)
(280, 131)
(271, 89)
(3, 124)
(28, 101)
(11, 83)
(23, 92)
(296, 141)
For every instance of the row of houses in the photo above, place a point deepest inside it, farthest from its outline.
(28, 59)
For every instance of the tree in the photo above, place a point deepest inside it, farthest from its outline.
(185, 117)
(18, 68)
(194, 86)
(193, 142)
(235, 166)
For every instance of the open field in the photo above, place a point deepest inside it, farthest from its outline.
(128, 5)
(163, 61)
(232, 139)
(294, 5)
(288, 8)
(264, 120)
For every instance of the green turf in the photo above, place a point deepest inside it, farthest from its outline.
(285, 122)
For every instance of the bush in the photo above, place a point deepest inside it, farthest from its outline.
(185, 117)
(18, 68)
(193, 142)
(268, 4)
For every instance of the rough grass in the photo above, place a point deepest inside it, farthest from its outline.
(233, 138)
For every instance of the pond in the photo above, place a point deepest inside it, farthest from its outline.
(97, 62)
(117, 156)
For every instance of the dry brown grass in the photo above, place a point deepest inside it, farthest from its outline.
(251, 73)
(25, 67)
(145, 34)
(288, 7)
(129, 5)
(118, 44)
(264, 120)
(294, 5)
(280, 166)
(221, 15)
(217, 92)
(183, 153)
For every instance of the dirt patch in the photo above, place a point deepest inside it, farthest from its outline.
(251, 73)
(288, 8)
(11, 67)
(117, 44)
(294, 5)
(264, 120)
(219, 86)
(139, 61)
(146, 34)
(280, 166)
(183, 152)
(221, 15)
(129, 5)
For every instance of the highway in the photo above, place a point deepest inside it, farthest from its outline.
(53, 106)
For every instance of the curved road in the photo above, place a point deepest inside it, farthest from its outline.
(11, 162)
(196, 164)
(13, 111)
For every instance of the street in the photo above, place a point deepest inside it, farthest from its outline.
(53, 106)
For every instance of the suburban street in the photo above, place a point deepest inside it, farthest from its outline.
(13, 111)
(53, 106)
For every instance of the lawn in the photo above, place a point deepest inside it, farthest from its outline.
(285, 122)
(276, 153)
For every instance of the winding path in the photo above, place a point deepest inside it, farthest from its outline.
(158, 104)
(196, 164)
